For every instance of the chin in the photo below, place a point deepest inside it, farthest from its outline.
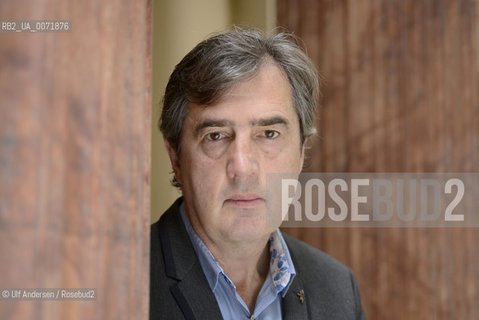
(249, 229)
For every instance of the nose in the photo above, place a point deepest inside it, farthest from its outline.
(243, 159)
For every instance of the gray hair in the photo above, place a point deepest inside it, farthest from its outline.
(217, 63)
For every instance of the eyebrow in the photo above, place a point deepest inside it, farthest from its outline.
(270, 121)
(208, 123)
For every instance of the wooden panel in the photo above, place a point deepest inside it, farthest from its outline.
(74, 158)
(401, 95)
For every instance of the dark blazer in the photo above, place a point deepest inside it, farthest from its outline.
(322, 289)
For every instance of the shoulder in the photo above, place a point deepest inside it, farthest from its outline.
(309, 259)
(328, 282)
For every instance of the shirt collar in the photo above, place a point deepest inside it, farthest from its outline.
(281, 268)
(281, 265)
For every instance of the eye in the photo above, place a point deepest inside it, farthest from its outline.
(271, 134)
(214, 136)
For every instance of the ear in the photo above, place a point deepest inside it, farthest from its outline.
(174, 160)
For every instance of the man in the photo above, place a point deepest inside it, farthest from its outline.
(237, 108)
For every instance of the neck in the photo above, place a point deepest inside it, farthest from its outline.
(245, 262)
(246, 265)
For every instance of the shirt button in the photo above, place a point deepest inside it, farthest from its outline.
(251, 318)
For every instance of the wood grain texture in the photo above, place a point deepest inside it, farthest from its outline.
(400, 95)
(75, 158)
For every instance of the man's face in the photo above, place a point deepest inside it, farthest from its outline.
(227, 151)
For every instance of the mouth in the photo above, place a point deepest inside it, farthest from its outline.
(244, 200)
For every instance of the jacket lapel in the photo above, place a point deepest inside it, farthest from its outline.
(295, 301)
(192, 291)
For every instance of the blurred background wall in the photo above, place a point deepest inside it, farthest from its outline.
(401, 94)
(75, 128)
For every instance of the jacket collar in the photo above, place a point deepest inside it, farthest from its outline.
(182, 265)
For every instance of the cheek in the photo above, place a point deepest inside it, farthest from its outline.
(291, 161)
(205, 177)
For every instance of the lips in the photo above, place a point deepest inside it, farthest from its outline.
(244, 200)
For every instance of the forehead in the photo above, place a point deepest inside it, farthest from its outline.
(266, 94)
